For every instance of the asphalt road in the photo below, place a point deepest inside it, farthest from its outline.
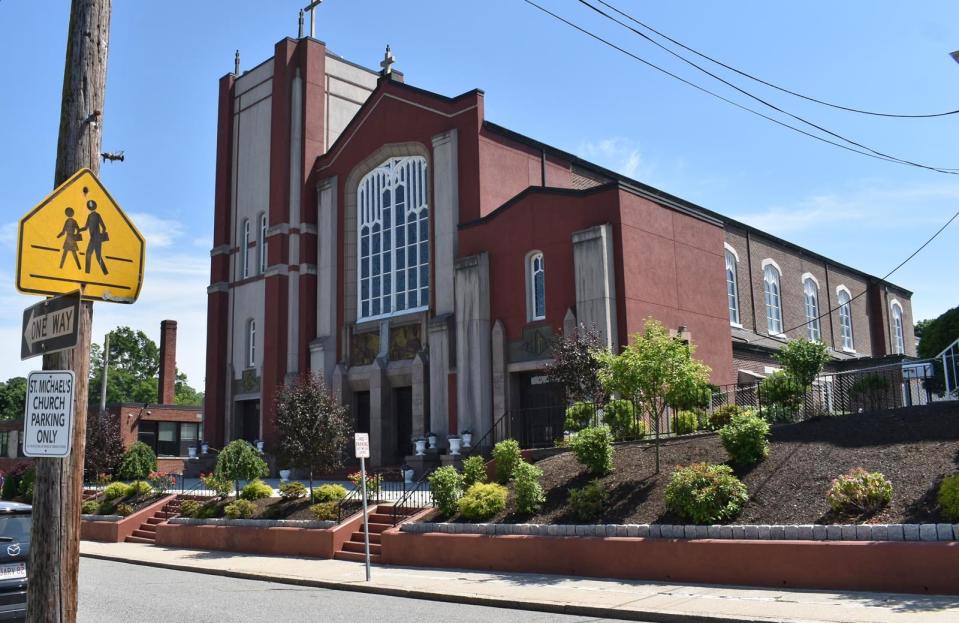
(113, 592)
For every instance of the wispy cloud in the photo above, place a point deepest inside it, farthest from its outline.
(618, 154)
(159, 232)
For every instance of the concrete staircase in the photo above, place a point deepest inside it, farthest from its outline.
(380, 519)
(146, 533)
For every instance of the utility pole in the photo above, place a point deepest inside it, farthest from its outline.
(55, 540)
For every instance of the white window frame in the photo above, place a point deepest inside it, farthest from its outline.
(251, 343)
(245, 249)
(898, 329)
(535, 266)
(846, 332)
(810, 286)
(774, 312)
(261, 246)
(406, 177)
(732, 286)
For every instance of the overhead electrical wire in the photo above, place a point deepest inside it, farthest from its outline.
(761, 100)
(770, 84)
(723, 98)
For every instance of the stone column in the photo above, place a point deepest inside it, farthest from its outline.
(382, 426)
(445, 218)
(473, 344)
(323, 348)
(439, 344)
(499, 374)
(595, 277)
(421, 391)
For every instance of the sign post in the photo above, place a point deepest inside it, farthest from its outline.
(362, 443)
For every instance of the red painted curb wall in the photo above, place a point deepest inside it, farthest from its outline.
(118, 531)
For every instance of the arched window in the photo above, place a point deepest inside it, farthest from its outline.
(811, 297)
(536, 286)
(774, 310)
(261, 244)
(245, 249)
(393, 236)
(250, 343)
(899, 340)
(732, 293)
(845, 318)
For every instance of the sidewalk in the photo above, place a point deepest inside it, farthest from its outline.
(632, 600)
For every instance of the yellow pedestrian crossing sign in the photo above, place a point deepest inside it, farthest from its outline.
(79, 237)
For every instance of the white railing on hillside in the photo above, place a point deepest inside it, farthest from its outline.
(950, 367)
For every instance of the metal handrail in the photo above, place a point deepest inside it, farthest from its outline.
(492, 431)
(410, 494)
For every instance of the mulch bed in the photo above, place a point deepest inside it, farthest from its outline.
(136, 503)
(914, 449)
(277, 508)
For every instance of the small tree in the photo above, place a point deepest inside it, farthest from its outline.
(804, 360)
(314, 429)
(576, 367)
(239, 460)
(654, 371)
(138, 462)
(104, 448)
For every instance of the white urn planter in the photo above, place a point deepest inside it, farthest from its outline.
(408, 475)
(204, 448)
(420, 447)
(467, 438)
(432, 439)
(285, 475)
(259, 446)
(191, 452)
(455, 443)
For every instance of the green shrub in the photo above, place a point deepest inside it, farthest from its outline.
(89, 507)
(684, 422)
(239, 460)
(593, 448)
(325, 511)
(116, 491)
(447, 486)
(256, 490)
(240, 509)
(25, 486)
(722, 416)
(139, 488)
(189, 508)
(138, 462)
(221, 486)
(507, 456)
(124, 510)
(579, 415)
(293, 490)
(859, 492)
(745, 438)
(705, 494)
(107, 507)
(329, 493)
(587, 503)
(949, 497)
(620, 417)
(482, 501)
(474, 471)
(528, 490)
(11, 486)
(782, 395)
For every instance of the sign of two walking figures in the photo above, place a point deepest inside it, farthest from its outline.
(72, 234)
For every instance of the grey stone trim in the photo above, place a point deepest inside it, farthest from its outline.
(277, 269)
(279, 228)
(223, 249)
(807, 532)
(219, 286)
(253, 523)
(106, 518)
(308, 228)
(307, 269)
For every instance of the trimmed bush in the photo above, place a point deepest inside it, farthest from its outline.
(116, 491)
(507, 456)
(859, 492)
(587, 503)
(447, 486)
(579, 415)
(139, 488)
(949, 497)
(107, 507)
(782, 394)
(482, 501)
(705, 494)
(722, 416)
(239, 460)
(329, 493)
(292, 490)
(124, 510)
(474, 471)
(240, 509)
(138, 462)
(189, 508)
(620, 417)
(745, 438)
(256, 490)
(593, 448)
(684, 422)
(325, 511)
(89, 507)
(528, 490)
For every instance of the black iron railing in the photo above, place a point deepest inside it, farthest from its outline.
(496, 433)
(418, 496)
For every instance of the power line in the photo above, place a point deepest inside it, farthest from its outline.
(770, 84)
(718, 96)
(761, 100)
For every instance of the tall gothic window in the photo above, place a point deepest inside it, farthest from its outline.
(245, 249)
(393, 237)
(732, 293)
(261, 243)
(774, 310)
(845, 319)
(900, 342)
(811, 295)
(537, 286)
(250, 343)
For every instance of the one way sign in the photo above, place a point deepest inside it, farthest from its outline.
(50, 326)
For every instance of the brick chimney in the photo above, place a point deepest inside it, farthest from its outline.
(167, 385)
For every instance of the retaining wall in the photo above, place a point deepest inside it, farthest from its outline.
(109, 529)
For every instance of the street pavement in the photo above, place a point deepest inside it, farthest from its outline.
(587, 597)
(116, 592)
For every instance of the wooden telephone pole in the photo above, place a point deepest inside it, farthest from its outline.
(55, 542)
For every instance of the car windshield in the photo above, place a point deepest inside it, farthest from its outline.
(15, 527)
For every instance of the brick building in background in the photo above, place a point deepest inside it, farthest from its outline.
(419, 258)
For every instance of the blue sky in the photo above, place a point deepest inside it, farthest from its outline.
(541, 79)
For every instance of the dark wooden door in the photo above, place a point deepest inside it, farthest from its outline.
(403, 411)
(361, 408)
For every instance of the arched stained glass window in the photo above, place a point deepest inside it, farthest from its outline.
(774, 310)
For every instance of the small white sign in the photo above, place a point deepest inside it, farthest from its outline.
(362, 445)
(48, 418)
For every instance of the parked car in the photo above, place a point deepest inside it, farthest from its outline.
(15, 520)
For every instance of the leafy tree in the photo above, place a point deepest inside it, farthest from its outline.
(13, 395)
(314, 429)
(654, 371)
(104, 447)
(803, 360)
(138, 462)
(938, 333)
(576, 367)
(239, 460)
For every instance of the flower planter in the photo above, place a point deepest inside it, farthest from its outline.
(432, 439)
(408, 475)
(467, 438)
(259, 446)
(285, 475)
(204, 448)
(454, 445)
(191, 452)
(420, 447)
